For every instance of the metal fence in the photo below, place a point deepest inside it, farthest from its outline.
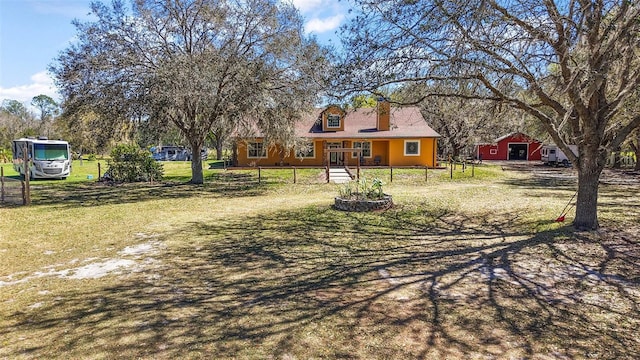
(12, 191)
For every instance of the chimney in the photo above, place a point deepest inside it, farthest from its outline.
(384, 115)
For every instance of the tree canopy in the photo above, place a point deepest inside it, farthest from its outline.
(572, 65)
(200, 64)
(47, 106)
(16, 121)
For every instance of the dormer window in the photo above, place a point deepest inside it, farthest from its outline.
(333, 121)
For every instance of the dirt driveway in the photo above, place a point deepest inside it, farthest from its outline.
(625, 176)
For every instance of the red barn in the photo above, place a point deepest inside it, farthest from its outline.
(515, 146)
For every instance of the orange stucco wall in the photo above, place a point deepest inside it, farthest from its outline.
(273, 156)
(428, 147)
(391, 152)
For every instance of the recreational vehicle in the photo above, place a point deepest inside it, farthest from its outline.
(48, 159)
(553, 155)
(174, 153)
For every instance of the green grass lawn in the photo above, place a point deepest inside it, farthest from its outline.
(463, 268)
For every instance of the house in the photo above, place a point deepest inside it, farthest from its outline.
(514, 146)
(383, 136)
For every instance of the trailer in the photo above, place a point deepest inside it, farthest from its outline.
(553, 155)
(47, 159)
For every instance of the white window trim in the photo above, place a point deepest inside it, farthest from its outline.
(313, 151)
(411, 141)
(493, 151)
(355, 154)
(339, 121)
(264, 150)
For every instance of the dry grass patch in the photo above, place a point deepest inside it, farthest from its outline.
(453, 271)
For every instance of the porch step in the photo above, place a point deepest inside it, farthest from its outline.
(339, 175)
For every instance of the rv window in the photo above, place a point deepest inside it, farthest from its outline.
(552, 151)
(51, 151)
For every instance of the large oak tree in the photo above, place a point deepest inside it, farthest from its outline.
(571, 64)
(197, 63)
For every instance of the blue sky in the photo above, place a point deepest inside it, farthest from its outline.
(34, 32)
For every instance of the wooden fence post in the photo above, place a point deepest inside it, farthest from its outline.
(26, 198)
(451, 170)
(1, 184)
(99, 171)
(473, 168)
(426, 175)
(294, 174)
(390, 173)
(259, 174)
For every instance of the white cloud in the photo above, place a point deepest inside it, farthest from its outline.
(322, 15)
(308, 5)
(41, 84)
(318, 25)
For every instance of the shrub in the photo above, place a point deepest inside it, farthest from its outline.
(129, 163)
(5, 155)
(361, 189)
(376, 189)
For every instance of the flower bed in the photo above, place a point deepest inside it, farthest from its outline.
(363, 204)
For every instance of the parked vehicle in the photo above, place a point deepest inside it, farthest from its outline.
(553, 155)
(175, 153)
(48, 159)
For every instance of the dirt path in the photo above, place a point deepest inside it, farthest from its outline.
(609, 176)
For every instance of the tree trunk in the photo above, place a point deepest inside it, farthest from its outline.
(617, 159)
(196, 164)
(456, 153)
(218, 149)
(234, 153)
(589, 171)
(635, 145)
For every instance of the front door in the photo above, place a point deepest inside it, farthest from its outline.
(335, 158)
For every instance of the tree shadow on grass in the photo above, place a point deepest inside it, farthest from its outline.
(104, 193)
(616, 199)
(544, 181)
(315, 282)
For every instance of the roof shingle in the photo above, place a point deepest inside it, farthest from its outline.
(406, 122)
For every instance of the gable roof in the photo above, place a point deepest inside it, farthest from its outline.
(406, 122)
(504, 137)
(514, 134)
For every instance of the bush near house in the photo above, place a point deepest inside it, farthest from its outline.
(129, 163)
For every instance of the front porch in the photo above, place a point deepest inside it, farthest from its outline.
(351, 153)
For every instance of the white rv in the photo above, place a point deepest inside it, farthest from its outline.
(48, 159)
(175, 153)
(553, 155)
